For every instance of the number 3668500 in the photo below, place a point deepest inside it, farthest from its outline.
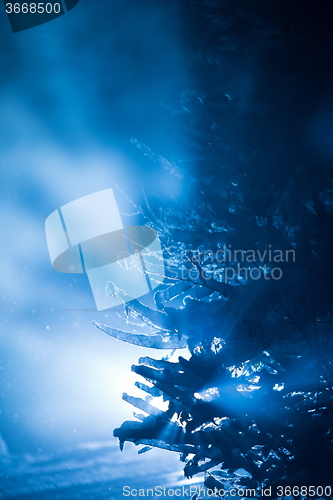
(33, 8)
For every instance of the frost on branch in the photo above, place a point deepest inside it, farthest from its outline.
(253, 404)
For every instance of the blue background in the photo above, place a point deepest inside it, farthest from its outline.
(73, 93)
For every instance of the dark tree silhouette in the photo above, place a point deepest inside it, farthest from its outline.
(253, 405)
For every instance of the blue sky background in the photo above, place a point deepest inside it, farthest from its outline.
(73, 92)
